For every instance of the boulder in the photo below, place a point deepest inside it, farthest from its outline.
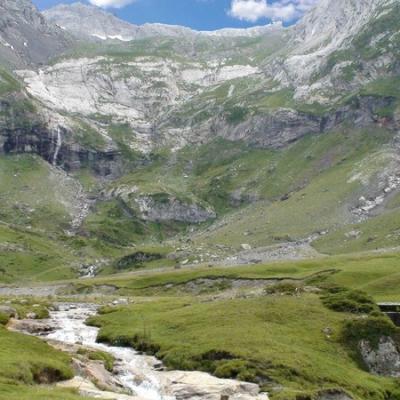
(8, 310)
(31, 326)
(96, 372)
(202, 386)
(382, 360)
(86, 388)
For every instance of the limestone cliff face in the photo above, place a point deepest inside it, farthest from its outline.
(137, 92)
(188, 88)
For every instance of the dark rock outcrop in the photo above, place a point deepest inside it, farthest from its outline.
(284, 126)
(23, 130)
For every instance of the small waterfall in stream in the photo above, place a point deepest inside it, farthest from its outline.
(58, 146)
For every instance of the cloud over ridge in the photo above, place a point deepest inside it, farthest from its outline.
(111, 3)
(280, 10)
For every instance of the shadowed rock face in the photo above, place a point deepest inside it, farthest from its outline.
(38, 139)
(284, 126)
(26, 37)
(24, 130)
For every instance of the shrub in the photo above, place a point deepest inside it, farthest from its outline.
(48, 374)
(136, 260)
(352, 301)
(141, 343)
(236, 369)
(286, 288)
(371, 329)
(236, 114)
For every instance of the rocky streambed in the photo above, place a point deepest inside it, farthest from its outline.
(134, 376)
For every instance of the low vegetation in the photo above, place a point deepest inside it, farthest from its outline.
(351, 301)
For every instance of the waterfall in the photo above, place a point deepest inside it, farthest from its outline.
(58, 146)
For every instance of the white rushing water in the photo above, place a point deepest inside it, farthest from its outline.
(58, 146)
(134, 370)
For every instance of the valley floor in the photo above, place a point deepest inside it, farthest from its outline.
(292, 327)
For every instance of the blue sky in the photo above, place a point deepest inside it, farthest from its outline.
(200, 14)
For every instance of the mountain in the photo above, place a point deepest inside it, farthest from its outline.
(211, 137)
(25, 36)
(189, 180)
(323, 42)
(84, 20)
(103, 25)
(294, 79)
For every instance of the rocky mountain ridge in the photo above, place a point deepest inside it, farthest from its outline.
(89, 21)
(25, 36)
(151, 102)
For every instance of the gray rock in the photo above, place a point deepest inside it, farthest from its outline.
(383, 360)
(333, 394)
(34, 327)
(169, 208)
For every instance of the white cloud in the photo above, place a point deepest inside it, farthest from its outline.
(111, 3)
(282, 10)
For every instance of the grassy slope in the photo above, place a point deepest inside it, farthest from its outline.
(36, 201)
(29, 256)
(24, 179)
(315, 172)
(373, 234)
(281, 338)
(21, 371)
(8, 83)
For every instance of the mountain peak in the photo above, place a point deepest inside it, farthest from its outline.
(334, 21)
